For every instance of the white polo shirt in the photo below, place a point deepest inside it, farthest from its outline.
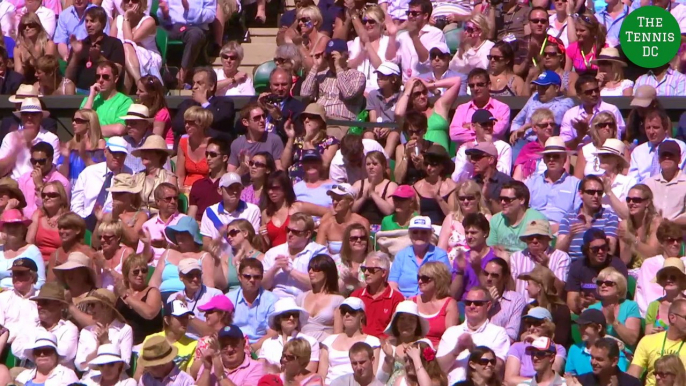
(285, 286)
(488, 335)
(67, 341)
(14, 141)
(245, 210)
(17, 312)
(430, 37)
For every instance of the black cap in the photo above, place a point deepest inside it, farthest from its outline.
(311, 155)
(670, 147)
(24, 264)
(592, 316)
(483, 116)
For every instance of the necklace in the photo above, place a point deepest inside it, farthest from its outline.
(52, 221)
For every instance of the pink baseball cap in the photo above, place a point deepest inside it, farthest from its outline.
(219, 302)
(403, 191)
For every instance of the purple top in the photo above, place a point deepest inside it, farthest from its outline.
(471, 279)
(518, 350)
(248, 195)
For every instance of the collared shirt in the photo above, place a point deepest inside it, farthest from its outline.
(646, 289)
(7, 11)
(247, 374)
(244, 210)
(557, 381)
(612, 25)
(396, 8)
(17, 312)
(341, 172)
(507, 313)
(507, 235)
(59, 376)
(407, 57)
(474, 57)
(175, 378)
(669, 197)
(15, 140)
(582, 274)
(558, 105)
(385, 109)
(672, 84)
(495, 183)
(200, 13)
(379, 310)
(464, 112)
(341, 93)
(201, 297)
(204, 193)
(67, 341)
(488, 334)
(284, 285)
(567, 131)
(87, 188)
(464, 170)
(645, 161)
(521, 262)
(69, 23)
(620, 187)
(405, 268)
(156, 228)
(605, 219)
(120, 335)
(33, 199)
(252, 318)
(273, 347)
(554, 199)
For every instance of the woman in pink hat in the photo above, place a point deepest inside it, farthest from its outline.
(218, 314)
(14, 225)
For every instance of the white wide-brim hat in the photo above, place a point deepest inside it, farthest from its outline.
(407, 307)
(283, 306)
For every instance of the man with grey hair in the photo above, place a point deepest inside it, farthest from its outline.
(380, 299)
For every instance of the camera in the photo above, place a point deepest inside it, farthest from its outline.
(272, 99)
(440, 21)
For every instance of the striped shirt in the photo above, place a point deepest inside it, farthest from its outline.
(522, 262)
(604, 219)
(673, 83)
(341, 94)
(507, 313)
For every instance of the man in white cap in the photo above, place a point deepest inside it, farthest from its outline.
(12, 123)
(90, 190)
(231, 207)
(15, 151)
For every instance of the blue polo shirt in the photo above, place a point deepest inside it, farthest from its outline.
(69, 23)
(405, 269)
(252, 319)
(554, 199)
(604, 219)
(613, 26)
(579, 360)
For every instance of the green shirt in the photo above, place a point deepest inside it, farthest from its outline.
(110, 110)
(507, 236)
(388, 223)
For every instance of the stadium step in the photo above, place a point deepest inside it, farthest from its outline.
(260, 49)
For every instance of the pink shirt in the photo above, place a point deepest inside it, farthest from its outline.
(33, 199)
(156, 228)
(163, 116)
(247, 374)
(581, 62)
(464, 112)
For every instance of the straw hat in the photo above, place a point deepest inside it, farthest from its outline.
(285, 305)
(541, 275)
(609, 54)
(157, 351)
(138, 112)
(75, 260)
(13, 216)
(537, 228)
(125, 183)
(106, 298)
(672, 265)
(31, 105)
(407, 307)
(53, 291)
(613, 146)
(314, 109)
(153, 142)
(555, 145)
(11, 187)
(24, 91)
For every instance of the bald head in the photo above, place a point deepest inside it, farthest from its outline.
(280, 82)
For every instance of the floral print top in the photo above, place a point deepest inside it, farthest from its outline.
(296, 171)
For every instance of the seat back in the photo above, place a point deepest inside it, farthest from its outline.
(452, 38)
(261, 76)
(162, 40)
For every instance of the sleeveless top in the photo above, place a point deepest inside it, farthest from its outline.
(436, 322)
(47, 240)
(194, 170)
(429, 207)
(77, 164)
(505, 91)
(141, 327)
(171, 282)
(277, 235)
(437, 130)
(369, 209)
(147, 193)
(107, 278)
(413, 174)
(592, 160)
(148, 42)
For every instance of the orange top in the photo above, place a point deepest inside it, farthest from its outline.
(194, 170)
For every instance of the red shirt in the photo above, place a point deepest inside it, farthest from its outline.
(379, 310)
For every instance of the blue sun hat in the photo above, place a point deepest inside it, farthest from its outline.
(186, 224)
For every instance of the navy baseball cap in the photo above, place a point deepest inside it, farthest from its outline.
(339, 45)
(24, 264)
(547, 78)
(311, 155)
(231, 331)
(483, 116)
(670, 147)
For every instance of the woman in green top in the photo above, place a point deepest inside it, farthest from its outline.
(405, 204)
(243, 243)
(415, 97)
(672, 278)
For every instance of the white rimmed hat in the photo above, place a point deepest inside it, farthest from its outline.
(43, 338)
(137, 112)
(555, 145)
(342, 189)
(388, 68)
(285, 305)
(107, 353)
(407, 307)
(24, 91)
(31, 105)
(355, 303)
(118, 145)
(613, 146)
(126, 183)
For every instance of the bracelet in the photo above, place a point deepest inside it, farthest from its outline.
(420, 367)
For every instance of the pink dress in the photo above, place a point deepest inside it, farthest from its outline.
(164, 116)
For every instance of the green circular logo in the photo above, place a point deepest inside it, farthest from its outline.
(650, 36)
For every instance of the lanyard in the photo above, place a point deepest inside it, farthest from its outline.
(622, 16)
(587, 63)
(540, 53)
(662, 352)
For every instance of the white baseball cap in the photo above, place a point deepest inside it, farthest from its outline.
(229, 179)
(421, 222)
(342, 189)
(118, 145)
(388, 68)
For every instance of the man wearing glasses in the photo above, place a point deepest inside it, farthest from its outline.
(255, 140)
(44, 171)
(590, 214)
(486, 165)
(457, 341)
(286, 265)
(414, 46)
(483, 123)
(104, 98)
(205, 191)
(669, 186)
(645, 159)
(167, 200)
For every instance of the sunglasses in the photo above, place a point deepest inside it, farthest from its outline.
(494, 57)
(39, 352)
(139, 271)
(486, 361)
(192, 275)
(257, 164)
(211, 154)
(290, 314)
(250, 277)
(550, 54)
(594, 192)
(599, 248)
(169, 199)
(79, 120)
(436, 56)
(36, 161)
(604, 125)
(103, 76)
(544, 125)
(288, 357)
(538, 21)
(370, 270)
(477, 303)
(672, 278)
(357, 239)
(369, 21)
(507, 200)
(47, 195)
(469, 30)
(466, 198)
(229, 57)
(424, 278)
(635, 200)
(314, 269)
(29, 26)
(347, 310)
(415, 132)
(672, 240)
(606, 283)
(296, 232)
(280, 60)
(478, 84)
(413, 13)
(592, 91)
(233, 232)
(304, 20)
(539, 353)
(477, 156)
(552, 156)
(419, 93)
(258, 118)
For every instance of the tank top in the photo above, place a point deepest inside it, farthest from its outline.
(141, 327)
(148, 42)
(171, 282)
(436, 322)
(77, 164)
(505, 91)
(369, 209)
(277, 235)
(430, 207)
(107, 278)
(47, 240)
(194, 170)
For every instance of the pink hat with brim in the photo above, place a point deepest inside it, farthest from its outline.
(403, 191)
(13, 216)
(219, 302)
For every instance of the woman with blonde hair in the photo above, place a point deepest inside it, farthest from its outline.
(294, 360)
(672, 278)
(468, 198)
(613, 158)
(669, 371)
(602, 127)
(356, 245)
(307, 35)
(622, 315)
(373, 200)
(110, 258)
(611, 74)
(529, 161)
(126, 208)
(474, 47)
(519, 367)
(586, 39)
(230, 81)
(72, 230)
(43, 229)
(191, 164)
(637, 231)
(370, 48)
(32, 43)
(434, 301)
(244, 243)
(49, 80)
(85, 148)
